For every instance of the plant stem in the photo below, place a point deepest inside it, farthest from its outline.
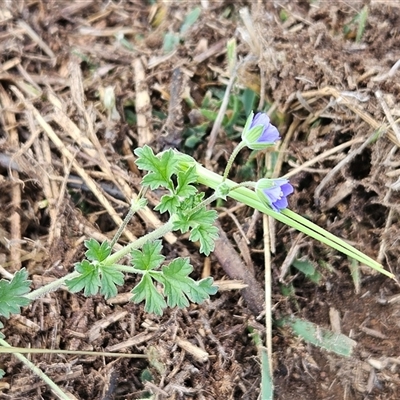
(50, 287)
(31, 350)
(134, 208)
(235, 152)
(288, 217)
(133, 270)
(156, 234)
(110, 260)
(56, 390)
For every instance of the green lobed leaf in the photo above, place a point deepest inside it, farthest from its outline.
(146, 158)
(201, 225)
(149, 257)
(12, 293)
(182, 223)
(110, 278)
(179, 287)
(204, 217)
(168, 203)
(191, 203)
(92, 277)
(97, 251)
(184, 189)
(176, 282)
(160, 167)
(203, 229)
(176, 200)
(145, 290)
(186, 218)
(206, 235)
(202, 290)
(89, 280)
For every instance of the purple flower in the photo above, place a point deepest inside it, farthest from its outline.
(274, 192)
(258, 132)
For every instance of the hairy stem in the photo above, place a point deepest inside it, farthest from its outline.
(110, 260)
(50, 287)
(137, 244)
(134, 208)
(235, 152)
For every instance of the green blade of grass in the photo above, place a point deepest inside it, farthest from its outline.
(288, 217)
(321, 337)
(267, 385)
(362, 22)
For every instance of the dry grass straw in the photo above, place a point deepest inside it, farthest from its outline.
(76, 139)
(90, 145)
(10, 123)
(343, 99)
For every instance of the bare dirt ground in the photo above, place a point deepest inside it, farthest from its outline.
(68, 173)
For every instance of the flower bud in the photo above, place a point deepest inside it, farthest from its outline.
(274, 192)
(258, 132)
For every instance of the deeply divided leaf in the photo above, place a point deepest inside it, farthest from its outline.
(110, 279)
(145, 290)
(204, 217)
(182, 223)
(12, 293)
(184, 188)
(96, 251)
(146, 159)
(206, 235)
(202, 290)
(89, 280)
(168, 203)
(176, 282)
(181, 196)
(187, 219)
(92, 277)
(160, 168)
(202, 228)
(149, 257)
(179, 287)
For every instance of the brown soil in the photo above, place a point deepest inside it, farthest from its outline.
(60, 148)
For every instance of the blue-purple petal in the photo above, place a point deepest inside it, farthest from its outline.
(273, 193)
(287, 189)
(259, 133)
(280, 204)
(276, 192)
(260, 119)
(270, 134)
